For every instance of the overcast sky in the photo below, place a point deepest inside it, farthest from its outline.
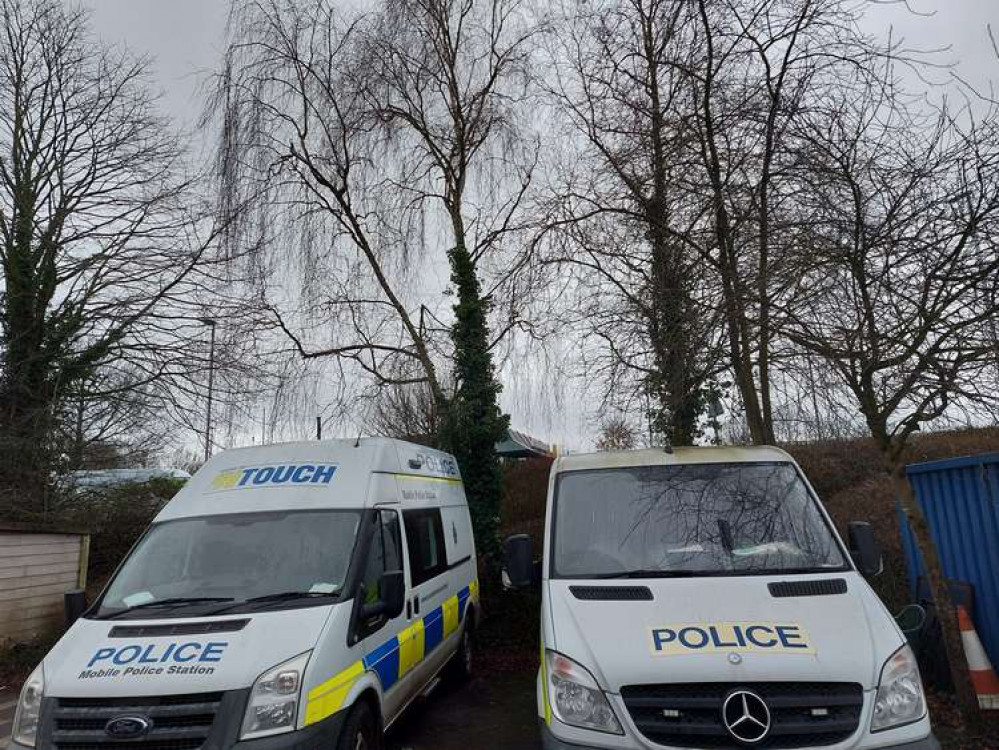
(184, 38)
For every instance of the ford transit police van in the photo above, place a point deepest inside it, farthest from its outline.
(290, 596)
(701, 598)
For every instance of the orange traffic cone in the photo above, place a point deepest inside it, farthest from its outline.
(983, 677)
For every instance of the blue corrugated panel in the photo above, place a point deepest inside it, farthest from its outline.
(960, 498)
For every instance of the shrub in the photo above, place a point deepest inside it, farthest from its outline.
(115, 517)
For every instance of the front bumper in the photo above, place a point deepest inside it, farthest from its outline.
(551, 742)
(224, 733)
(320, 736)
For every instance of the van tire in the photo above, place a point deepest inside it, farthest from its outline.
(361, 731)
(460, 669)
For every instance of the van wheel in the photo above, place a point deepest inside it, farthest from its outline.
(360, 732)
(463, 659)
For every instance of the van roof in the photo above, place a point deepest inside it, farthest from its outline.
(681, 455)
(305, 475)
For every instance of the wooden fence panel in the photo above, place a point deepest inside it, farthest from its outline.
(37, 567)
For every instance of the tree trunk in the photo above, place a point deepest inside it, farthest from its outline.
(964, 691)
(473, 422)
(25, 458)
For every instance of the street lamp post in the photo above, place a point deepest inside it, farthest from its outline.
(211, 323)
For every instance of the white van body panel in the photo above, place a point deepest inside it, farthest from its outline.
(393, 663)
(613, 636)
(313, 475)
(87, 661)
(850, 636)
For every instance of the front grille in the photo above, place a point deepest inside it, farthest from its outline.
(803, 714)
(179, 722)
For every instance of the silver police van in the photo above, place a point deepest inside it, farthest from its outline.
(701, 598)
(290, 596)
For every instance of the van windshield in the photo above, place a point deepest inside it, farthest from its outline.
(690, 520)
(190, 566)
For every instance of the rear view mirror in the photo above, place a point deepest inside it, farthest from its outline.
(518, 561)
(393, 594)
(74, 604)
(864, 548)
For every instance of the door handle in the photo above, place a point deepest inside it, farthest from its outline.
(409, 610)
(416, 604)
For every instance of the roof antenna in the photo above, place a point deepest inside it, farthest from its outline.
(357, 443)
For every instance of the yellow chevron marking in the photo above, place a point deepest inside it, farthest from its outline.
(327, 698)
(411, 647)
(419, 478)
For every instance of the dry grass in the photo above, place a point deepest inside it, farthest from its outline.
(850, 478)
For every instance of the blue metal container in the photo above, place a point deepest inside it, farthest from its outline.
(960, 498)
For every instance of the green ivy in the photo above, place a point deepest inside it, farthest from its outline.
(474, 423)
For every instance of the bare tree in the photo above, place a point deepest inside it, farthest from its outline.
(617, 435)
(301, 145)
(619, 221)
(367, 141)
(904, 213)
(408, 413)
(101, 246)
(754, 68)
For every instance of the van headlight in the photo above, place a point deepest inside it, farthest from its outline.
(576, 698)
(29, 709)
(273, 704)
(900, 692)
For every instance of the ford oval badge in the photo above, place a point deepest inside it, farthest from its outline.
(128, 727)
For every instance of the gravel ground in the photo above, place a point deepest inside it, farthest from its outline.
(7, 702)
(495, 712)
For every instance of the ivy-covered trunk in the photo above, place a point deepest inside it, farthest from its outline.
(474, 423)
(30, 356)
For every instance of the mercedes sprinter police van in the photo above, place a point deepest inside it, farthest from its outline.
(701, 598)
(290, 596)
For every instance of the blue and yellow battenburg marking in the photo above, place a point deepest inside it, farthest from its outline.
(395, 658)
(706, 638)
(269, 476)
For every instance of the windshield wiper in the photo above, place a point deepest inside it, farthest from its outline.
(648, 573)
(787, 571)
(281, 596)
(284, 595)
(175, 601)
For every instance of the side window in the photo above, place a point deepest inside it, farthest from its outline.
(384, 555)
(425, 534)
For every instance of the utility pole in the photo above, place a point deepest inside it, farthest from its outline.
(211, 323)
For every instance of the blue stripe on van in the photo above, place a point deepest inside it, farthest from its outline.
(433, 630)
(385, 661)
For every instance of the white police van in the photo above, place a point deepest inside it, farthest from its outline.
(290, 596)
(701, 598)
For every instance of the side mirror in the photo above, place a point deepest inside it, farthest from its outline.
(864, 548)
(391, 596)
(518, 561)
(393, 593)
(74, 605)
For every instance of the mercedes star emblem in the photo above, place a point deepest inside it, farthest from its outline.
(746, 716)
